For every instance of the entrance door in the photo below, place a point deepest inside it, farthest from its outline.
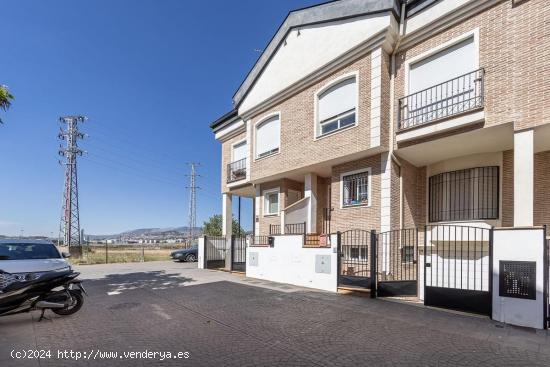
(457, 262)
(397, 268)
(354, 259)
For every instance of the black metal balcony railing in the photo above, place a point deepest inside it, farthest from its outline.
(295, 228)
(461, 94)
(274, 229)
(236, 171)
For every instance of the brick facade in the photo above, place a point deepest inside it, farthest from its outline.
(516, 92)
(361, 217)
(298, 147)
(516, 86)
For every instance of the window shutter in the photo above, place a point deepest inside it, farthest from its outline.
(443, 66)
(268, 135)
(337, 99)
(239, 151)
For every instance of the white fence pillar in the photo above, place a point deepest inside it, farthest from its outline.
(518, 276)
(201, 258)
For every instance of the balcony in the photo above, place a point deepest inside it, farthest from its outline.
(236, 171)
(452, 98)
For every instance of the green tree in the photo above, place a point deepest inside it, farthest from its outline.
(213, 227)
(5, 99)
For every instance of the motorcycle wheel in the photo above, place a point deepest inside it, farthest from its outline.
(78, 301)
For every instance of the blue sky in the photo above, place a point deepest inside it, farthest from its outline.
(150, 75)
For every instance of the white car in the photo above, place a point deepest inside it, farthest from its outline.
(25, 260)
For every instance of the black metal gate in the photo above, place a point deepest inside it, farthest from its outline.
(357, 258)
(238, 253)
(214, 251)
(457, 268)
(397, 253)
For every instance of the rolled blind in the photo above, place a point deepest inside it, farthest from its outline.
(239, 152)
(443, 66)
(339, 98)
(268, 135)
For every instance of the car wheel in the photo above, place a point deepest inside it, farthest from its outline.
(191, 258)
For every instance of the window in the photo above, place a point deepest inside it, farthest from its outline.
(468, 194)
(268, 137)
(358, 253)
(239, 151)
(407, 254)
(336, 107)
(271, 202)
(355, 189)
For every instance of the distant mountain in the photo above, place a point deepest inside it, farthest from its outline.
(149, 232)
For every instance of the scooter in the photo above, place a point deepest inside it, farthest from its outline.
(58, 291)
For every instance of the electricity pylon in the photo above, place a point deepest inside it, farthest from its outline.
(70, 218)
(192, 199)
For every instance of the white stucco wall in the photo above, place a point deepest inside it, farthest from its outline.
(307, 49)
(519, 244)
(288, 262)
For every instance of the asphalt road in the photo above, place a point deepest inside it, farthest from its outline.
(218, 319)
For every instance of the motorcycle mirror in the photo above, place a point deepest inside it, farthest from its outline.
(66, 255)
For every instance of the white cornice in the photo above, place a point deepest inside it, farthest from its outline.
(446, 21)
(230, 131)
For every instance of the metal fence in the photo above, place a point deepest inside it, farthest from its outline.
(295, 228)
(274, 229)
(458, 95)
(106, 253)
(259, 241)
(214, 251)
(238, 253)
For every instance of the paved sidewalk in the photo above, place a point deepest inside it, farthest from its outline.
(224, 319)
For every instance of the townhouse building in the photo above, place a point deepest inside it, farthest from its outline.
(395, 114)
(388, 115)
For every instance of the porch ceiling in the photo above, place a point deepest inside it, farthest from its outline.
(486, 140)
(243, 191)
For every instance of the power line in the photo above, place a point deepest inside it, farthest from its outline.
(70, 216)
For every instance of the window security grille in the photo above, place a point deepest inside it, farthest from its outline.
(356, 189)
(469, 194)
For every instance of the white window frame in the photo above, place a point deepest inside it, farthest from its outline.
(265, 193)
(316, 123)
(259, 122)
(452, 42)
(233, 148)
(369, 188)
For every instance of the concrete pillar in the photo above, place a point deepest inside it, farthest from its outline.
(310, 191)
(257, 210)
(523, 178)
(227, 215)
(227, 226)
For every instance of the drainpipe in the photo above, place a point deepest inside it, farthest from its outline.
(392, 113)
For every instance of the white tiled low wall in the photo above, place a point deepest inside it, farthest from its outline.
(288, 262)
